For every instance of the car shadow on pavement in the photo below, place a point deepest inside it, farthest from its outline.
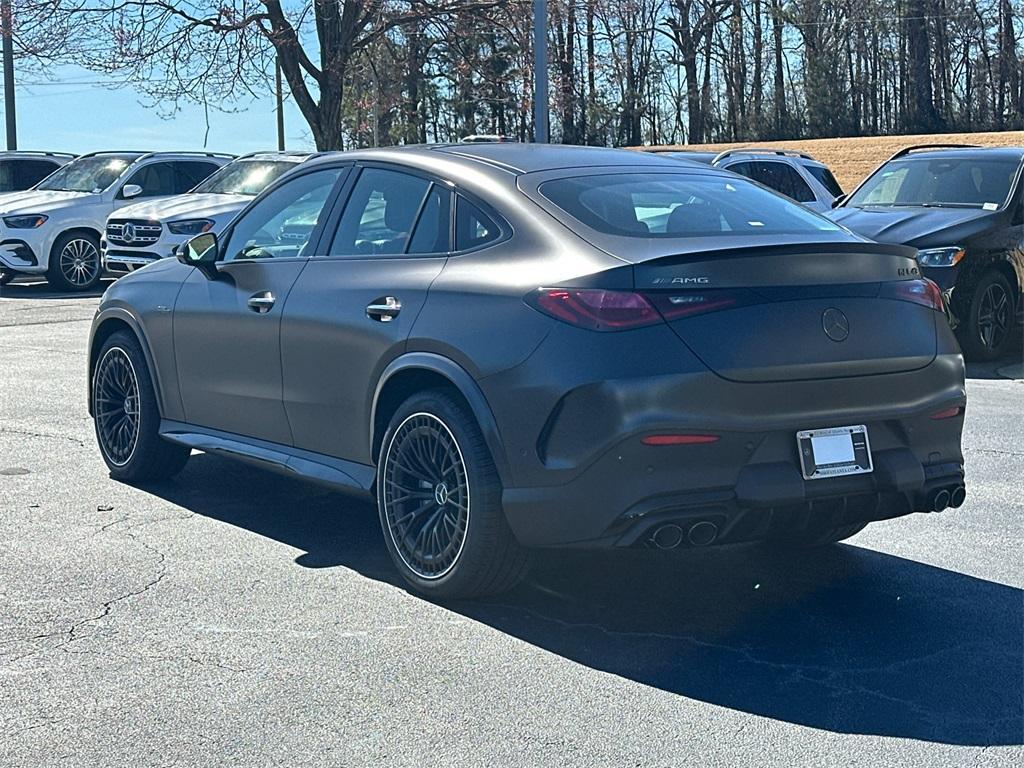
(844, 639)
(40, 290)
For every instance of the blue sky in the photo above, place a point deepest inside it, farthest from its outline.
(76, 113)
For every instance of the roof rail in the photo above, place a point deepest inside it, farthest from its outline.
(146, 154)
(278, 153)
(761, 151)
(919, 147)
(37, 153)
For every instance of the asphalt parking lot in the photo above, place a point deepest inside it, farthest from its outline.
(235, 617)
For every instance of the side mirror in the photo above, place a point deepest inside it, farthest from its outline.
(202, 252)
(128, 191)
(838, 201)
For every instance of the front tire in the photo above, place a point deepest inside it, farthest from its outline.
(126, 416)
(988, 327)
(439, 500)
(75, 262)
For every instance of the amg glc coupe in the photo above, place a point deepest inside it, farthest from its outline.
(517, 346)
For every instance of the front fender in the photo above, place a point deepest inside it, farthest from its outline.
(107, 321)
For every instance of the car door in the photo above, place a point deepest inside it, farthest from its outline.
(352, 308)
(227, 328)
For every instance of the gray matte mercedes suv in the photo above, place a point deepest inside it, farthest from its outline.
(516, 346)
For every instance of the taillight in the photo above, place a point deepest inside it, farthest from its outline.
(595, 309)
(948, 413)
(923, 292)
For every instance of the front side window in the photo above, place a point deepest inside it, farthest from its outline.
(156, 180)
(380, 213)
(16, 175)
(778, 176)
(825, 178)
(88, 174)
(939, 181)
(671, 205)
(244, 177)
(282, 223)
(191, 172)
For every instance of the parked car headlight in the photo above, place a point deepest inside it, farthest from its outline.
(31, 221)
(940, 257)
(190, 226)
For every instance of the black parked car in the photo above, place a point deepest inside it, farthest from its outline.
(963, 209)
(514, 346)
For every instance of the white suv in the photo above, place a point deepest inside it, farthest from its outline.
(142, 233)
(54, 228)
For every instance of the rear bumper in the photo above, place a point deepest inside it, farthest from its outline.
(579, 474)
(610, 506)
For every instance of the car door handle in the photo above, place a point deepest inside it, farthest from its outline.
(385, 309)
(262, 302)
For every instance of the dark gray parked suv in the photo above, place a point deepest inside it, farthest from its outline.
(516, 346)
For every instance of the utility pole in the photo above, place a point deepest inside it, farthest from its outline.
(540, 71)
(280, 104)
(7, 30)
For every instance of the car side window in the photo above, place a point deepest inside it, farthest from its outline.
(782, 178)
(433, 227)
(380, 213)
(28, 173)
(473, 227)
(190, 173)
(281, 224)
(156, 179)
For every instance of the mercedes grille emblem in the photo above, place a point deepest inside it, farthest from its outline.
(128, 232)
(835, 323)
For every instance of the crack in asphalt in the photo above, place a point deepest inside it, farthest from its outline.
(826, 676)
(72, 633)
(30, 433)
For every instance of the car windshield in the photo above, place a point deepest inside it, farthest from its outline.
(244, 177)
(669, 205)
(940, 182)
(88, 174)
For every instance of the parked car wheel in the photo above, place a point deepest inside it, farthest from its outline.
(75, 262)
(6, 276)
(439, 499)
(988, 326)
(126, 416)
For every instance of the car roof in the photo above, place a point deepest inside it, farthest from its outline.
(515, 158)
(962, 153)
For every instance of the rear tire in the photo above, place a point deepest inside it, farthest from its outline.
(439, 500)
(987, 329)
(126, 416)
(75, 262)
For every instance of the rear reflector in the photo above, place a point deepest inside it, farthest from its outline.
(948, 413)
(923, 292)
(678, 439)
(595, 309)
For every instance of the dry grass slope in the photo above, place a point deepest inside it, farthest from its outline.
(851, 159)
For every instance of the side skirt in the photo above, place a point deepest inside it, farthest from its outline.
(344, 475)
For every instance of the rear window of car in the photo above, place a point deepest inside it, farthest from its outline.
(670, 205)
(824, 175)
